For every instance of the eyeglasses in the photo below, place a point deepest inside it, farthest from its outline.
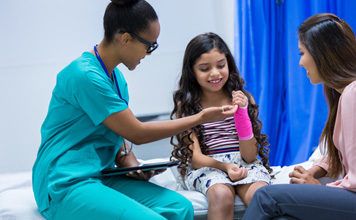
(151, 46)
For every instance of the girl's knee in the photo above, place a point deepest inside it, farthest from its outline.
(221, 194)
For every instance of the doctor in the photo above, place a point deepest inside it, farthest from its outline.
(89, 118)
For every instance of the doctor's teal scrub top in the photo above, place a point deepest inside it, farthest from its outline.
(75, 145)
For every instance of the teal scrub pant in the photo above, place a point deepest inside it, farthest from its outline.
(120, 197)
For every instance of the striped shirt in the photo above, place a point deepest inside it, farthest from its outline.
(221, 136)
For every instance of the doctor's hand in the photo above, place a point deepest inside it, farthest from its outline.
(301, 176)
(144, 175)
(218, 113)
(236, 173)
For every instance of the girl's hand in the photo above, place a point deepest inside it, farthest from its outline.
(301, 176)
(235, 173)
(239, 99)
(144, 175)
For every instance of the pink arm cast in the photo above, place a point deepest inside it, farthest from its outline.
(243, 123)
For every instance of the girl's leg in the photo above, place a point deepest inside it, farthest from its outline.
(221, 200)
(165, 202)
(246, 191)
(302, 201)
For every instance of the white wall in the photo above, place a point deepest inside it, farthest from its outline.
(39, 37)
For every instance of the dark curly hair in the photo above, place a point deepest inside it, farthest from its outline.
(187, 100)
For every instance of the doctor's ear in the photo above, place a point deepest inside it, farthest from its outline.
(123, 38)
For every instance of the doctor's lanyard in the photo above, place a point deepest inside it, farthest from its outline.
(107, 73)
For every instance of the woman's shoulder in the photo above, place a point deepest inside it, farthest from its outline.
(349, 94)
(350, 89)
(351, 85)
(79, 64)
(85, 63)
(84, 68)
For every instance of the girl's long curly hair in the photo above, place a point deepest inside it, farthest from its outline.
(187, 100)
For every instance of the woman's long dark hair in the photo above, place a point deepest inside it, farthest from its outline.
(332, 44)
(187, 100)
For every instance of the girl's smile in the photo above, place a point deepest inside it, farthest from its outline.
(215, 81)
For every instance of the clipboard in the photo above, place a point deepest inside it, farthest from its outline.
(143, 167)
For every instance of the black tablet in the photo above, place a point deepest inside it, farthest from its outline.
(143, 167)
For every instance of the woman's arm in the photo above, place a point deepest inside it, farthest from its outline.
(128, 126)
(345, 138)
(301, 176)
(310, 176)
(317, 172)
(129, 160)
(126, 160)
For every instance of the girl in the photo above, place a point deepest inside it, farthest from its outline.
(328, 53)
(218, 159)
(87, 121)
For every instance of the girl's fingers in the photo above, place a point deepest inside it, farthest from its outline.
(239, 98)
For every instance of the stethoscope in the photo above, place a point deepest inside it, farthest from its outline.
(107, 73)
(117, 86)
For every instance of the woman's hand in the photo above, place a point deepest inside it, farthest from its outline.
(235, 173)
(239, 99)
(301, 176)
(218, 113)
(144, 175)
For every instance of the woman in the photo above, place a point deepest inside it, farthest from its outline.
(87, 121)
(328, 53)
